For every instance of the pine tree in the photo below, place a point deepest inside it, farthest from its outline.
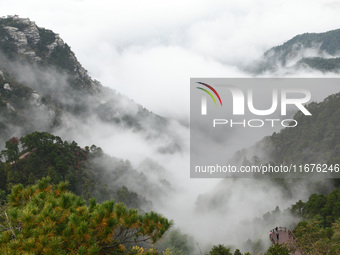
(47, 219)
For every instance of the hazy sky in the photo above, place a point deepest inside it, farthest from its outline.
(148, 49)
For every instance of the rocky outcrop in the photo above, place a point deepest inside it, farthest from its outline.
(7, 87)
(58, 42)
(31, 32)
(40, 45)
(44, 87)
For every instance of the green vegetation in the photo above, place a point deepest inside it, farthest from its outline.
(328, 42)
(48, 219)
(39, 155)
(320, 229)
(12, 22)
(325, 207)
(46, 37)
(178, 243)
(313, 238)
(322, 64)
(316, 139)
(223, 250)
(18, 98)
(320, 43)
(321, 135)
(61, 57)
(278, 249)
(55, 217)
(220, 250)
(7, 44)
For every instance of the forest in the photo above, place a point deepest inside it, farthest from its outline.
(49, 193)
(57, 197)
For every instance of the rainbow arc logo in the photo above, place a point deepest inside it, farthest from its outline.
(209, 93)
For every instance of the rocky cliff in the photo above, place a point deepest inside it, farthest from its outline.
(43, 87)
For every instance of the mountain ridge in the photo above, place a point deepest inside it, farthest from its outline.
(40, 73)
(314, 51)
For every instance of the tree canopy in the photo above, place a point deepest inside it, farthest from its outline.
(48, 219)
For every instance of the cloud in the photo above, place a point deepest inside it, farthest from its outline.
(148, 50)
(158, 46)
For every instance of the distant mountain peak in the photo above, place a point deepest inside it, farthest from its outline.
(314, 51)
(44, 87)
(22, 40)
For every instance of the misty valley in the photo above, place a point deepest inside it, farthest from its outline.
(86, 170)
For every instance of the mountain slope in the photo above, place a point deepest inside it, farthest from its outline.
(23, 40)
(316, 139)
(90, 172)
(316, 51)
(43, 87)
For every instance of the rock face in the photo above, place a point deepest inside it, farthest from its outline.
(35, 99)
(10, 107)
(44, 87)
(21, 38)
(31, 32)
(7, 87)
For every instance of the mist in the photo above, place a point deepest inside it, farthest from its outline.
(146, 60)
(213, 211)
(168, 43)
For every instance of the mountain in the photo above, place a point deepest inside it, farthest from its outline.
(43, 87)
(48, 101)
(315, 51)
(89, 171)
(315, 139)
(45, 93)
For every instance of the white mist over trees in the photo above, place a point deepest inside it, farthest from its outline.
(212, 211)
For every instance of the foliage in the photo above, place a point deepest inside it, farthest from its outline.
(10, 21)
(12, 152)
(46, 37)
(129, 198)
(254, 247)
(328, 42)
(320, 230)
(316, 139)
(177, 242)
(325, 206)
(320, 135)
(312, 237)
(220, 250)
(143, 251)
(237, 252)
(7, 45)
(41, 154)
(49, 219)
(61, 57)
(322, 64)
(278, 249)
